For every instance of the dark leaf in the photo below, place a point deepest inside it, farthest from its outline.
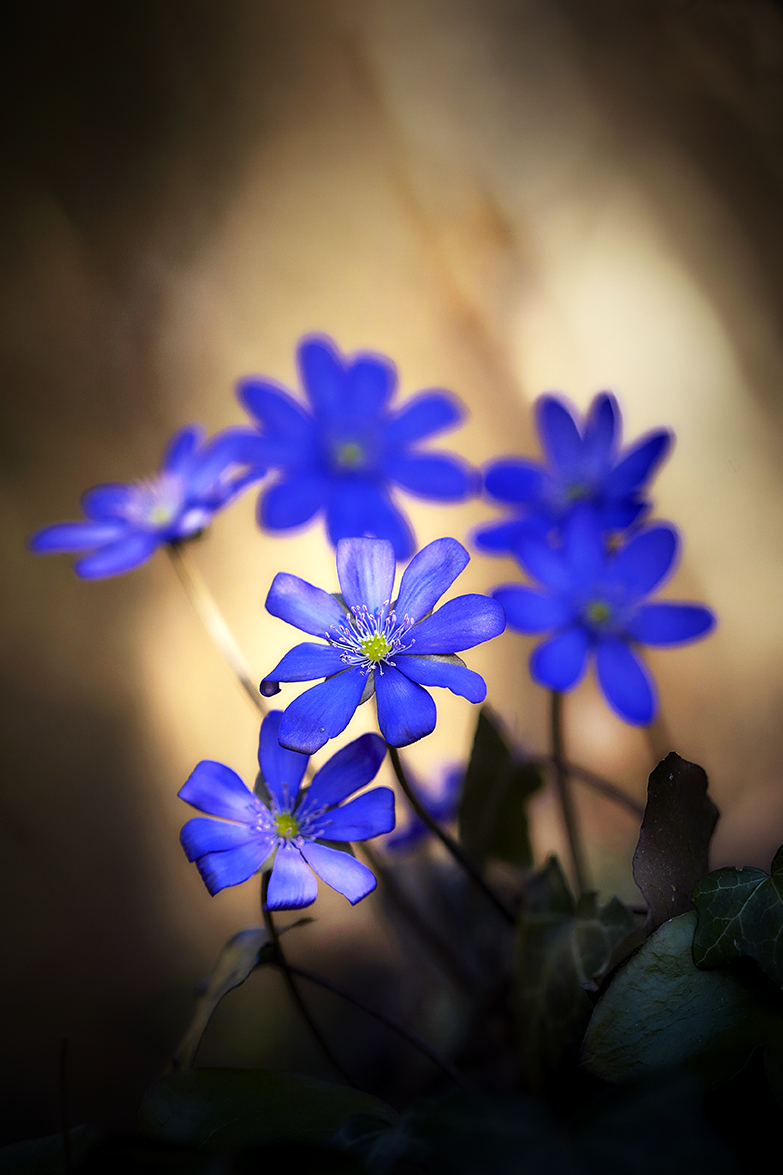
(498, 784)
(660, 1011)
(741, 913)
(232, 1109)
(560, 947)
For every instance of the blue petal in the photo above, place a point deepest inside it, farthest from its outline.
(422, 416)
(444, 478)
(291, 884)
(601, 430)
(459, 624)
(182, 448)
(299, 603)
(530, 611)
(584, 545)
(620, 513)
(626, 684)
(505, 537)
(340, 870)
(408, 838)
(560, 662)
(638, 465)
(322, 712)
(429, 574)
(545, 564)
(446, 674)
(214, 788)
(644, 562)
(203, 835)
(65, 537)
(282, 769)
(358, 508)
(406, 712)
(231, 867)
(514, 480)
(370, 381)
(282, 418)
(306, 662)
(292, 502)
(670, 623)
(365, 568)
(559, 433)
(123, 555)
(352, 767)
(323, 374)
(215, 471)
(368, 815)
(108, 501)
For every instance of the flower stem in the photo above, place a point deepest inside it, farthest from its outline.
(406, 1033)
(448, 842)
(563, 786)
(282, 962)
(212, 618)
(597, 782)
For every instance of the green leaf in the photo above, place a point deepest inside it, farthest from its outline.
(560, 946)
(660, 1011)
(741, 913)
(231, 1109)
(498, 784)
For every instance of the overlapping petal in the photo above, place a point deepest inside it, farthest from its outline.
(448, 673)
(339, 870)
(106, 502)
(306, 662)
(365, 568)
(123, 555)
(214, 788)
(357, 507)
(322, 712)
(282, 769)
(406, 712)
(638, 464)
(232, 867)
(291, 883)
(299, 603)
(67, 537)
(530, 611)
(349, 769)
(429, 574)
(514, 480)
(626, 684)
(645, 561)
(368, 815)
(202, 835)
(559, 432)
(293, 501)
(560, 662)
(460, 624)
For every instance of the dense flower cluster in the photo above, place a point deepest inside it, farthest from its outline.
(377, 645)
(344, 455)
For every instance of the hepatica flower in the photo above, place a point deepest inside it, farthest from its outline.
(125, 523)
(584, 463)
(375, 644)
(595, 604)
(286, 830)
(345, 454)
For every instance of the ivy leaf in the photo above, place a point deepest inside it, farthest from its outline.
(560, 946)
(232, 1109)
(498, 784)
(741, 913)
(660, 1011)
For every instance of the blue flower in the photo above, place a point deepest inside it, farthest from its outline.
(584, 464)
(375, 646)
(594, 603)
(344, 456)
(441, 798)
(286, 830)
(127, 522)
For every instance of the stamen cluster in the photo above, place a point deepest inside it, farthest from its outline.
(371, 639)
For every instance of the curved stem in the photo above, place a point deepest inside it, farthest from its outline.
(406, 1033)
(212, 618)
(563, 786)
(282, 962)
(597, 782)
(448, 842)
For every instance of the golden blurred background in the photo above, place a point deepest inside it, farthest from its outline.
(507, 197)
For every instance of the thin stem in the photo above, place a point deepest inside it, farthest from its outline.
(282, 962)
(563, 786)
(597, 782)
(406, 1033)
(212, 618)
(448, 842)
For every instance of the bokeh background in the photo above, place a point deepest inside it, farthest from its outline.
(506, 196)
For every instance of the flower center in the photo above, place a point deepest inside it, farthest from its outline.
(349, 455)
(287, 825)
(577, 492)
(376, 647)
(370, 639)
(598, 612)
(156, 501)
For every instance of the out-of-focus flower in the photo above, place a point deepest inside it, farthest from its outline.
(440, 797)
(594, 603)
(344, 456)
(584, 464)
(375, 646)
(285, 831)
(125, 523)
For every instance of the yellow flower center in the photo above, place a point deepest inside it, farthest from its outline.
(577, 492)
(287, 825)
(349, 455)
(598, 612)
(375, 648)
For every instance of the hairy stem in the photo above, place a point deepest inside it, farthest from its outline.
(282, 962)
(448, 842)
(563, 786)
(212, 618)
(406, 1033)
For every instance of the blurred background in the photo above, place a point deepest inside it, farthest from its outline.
(507, 197)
